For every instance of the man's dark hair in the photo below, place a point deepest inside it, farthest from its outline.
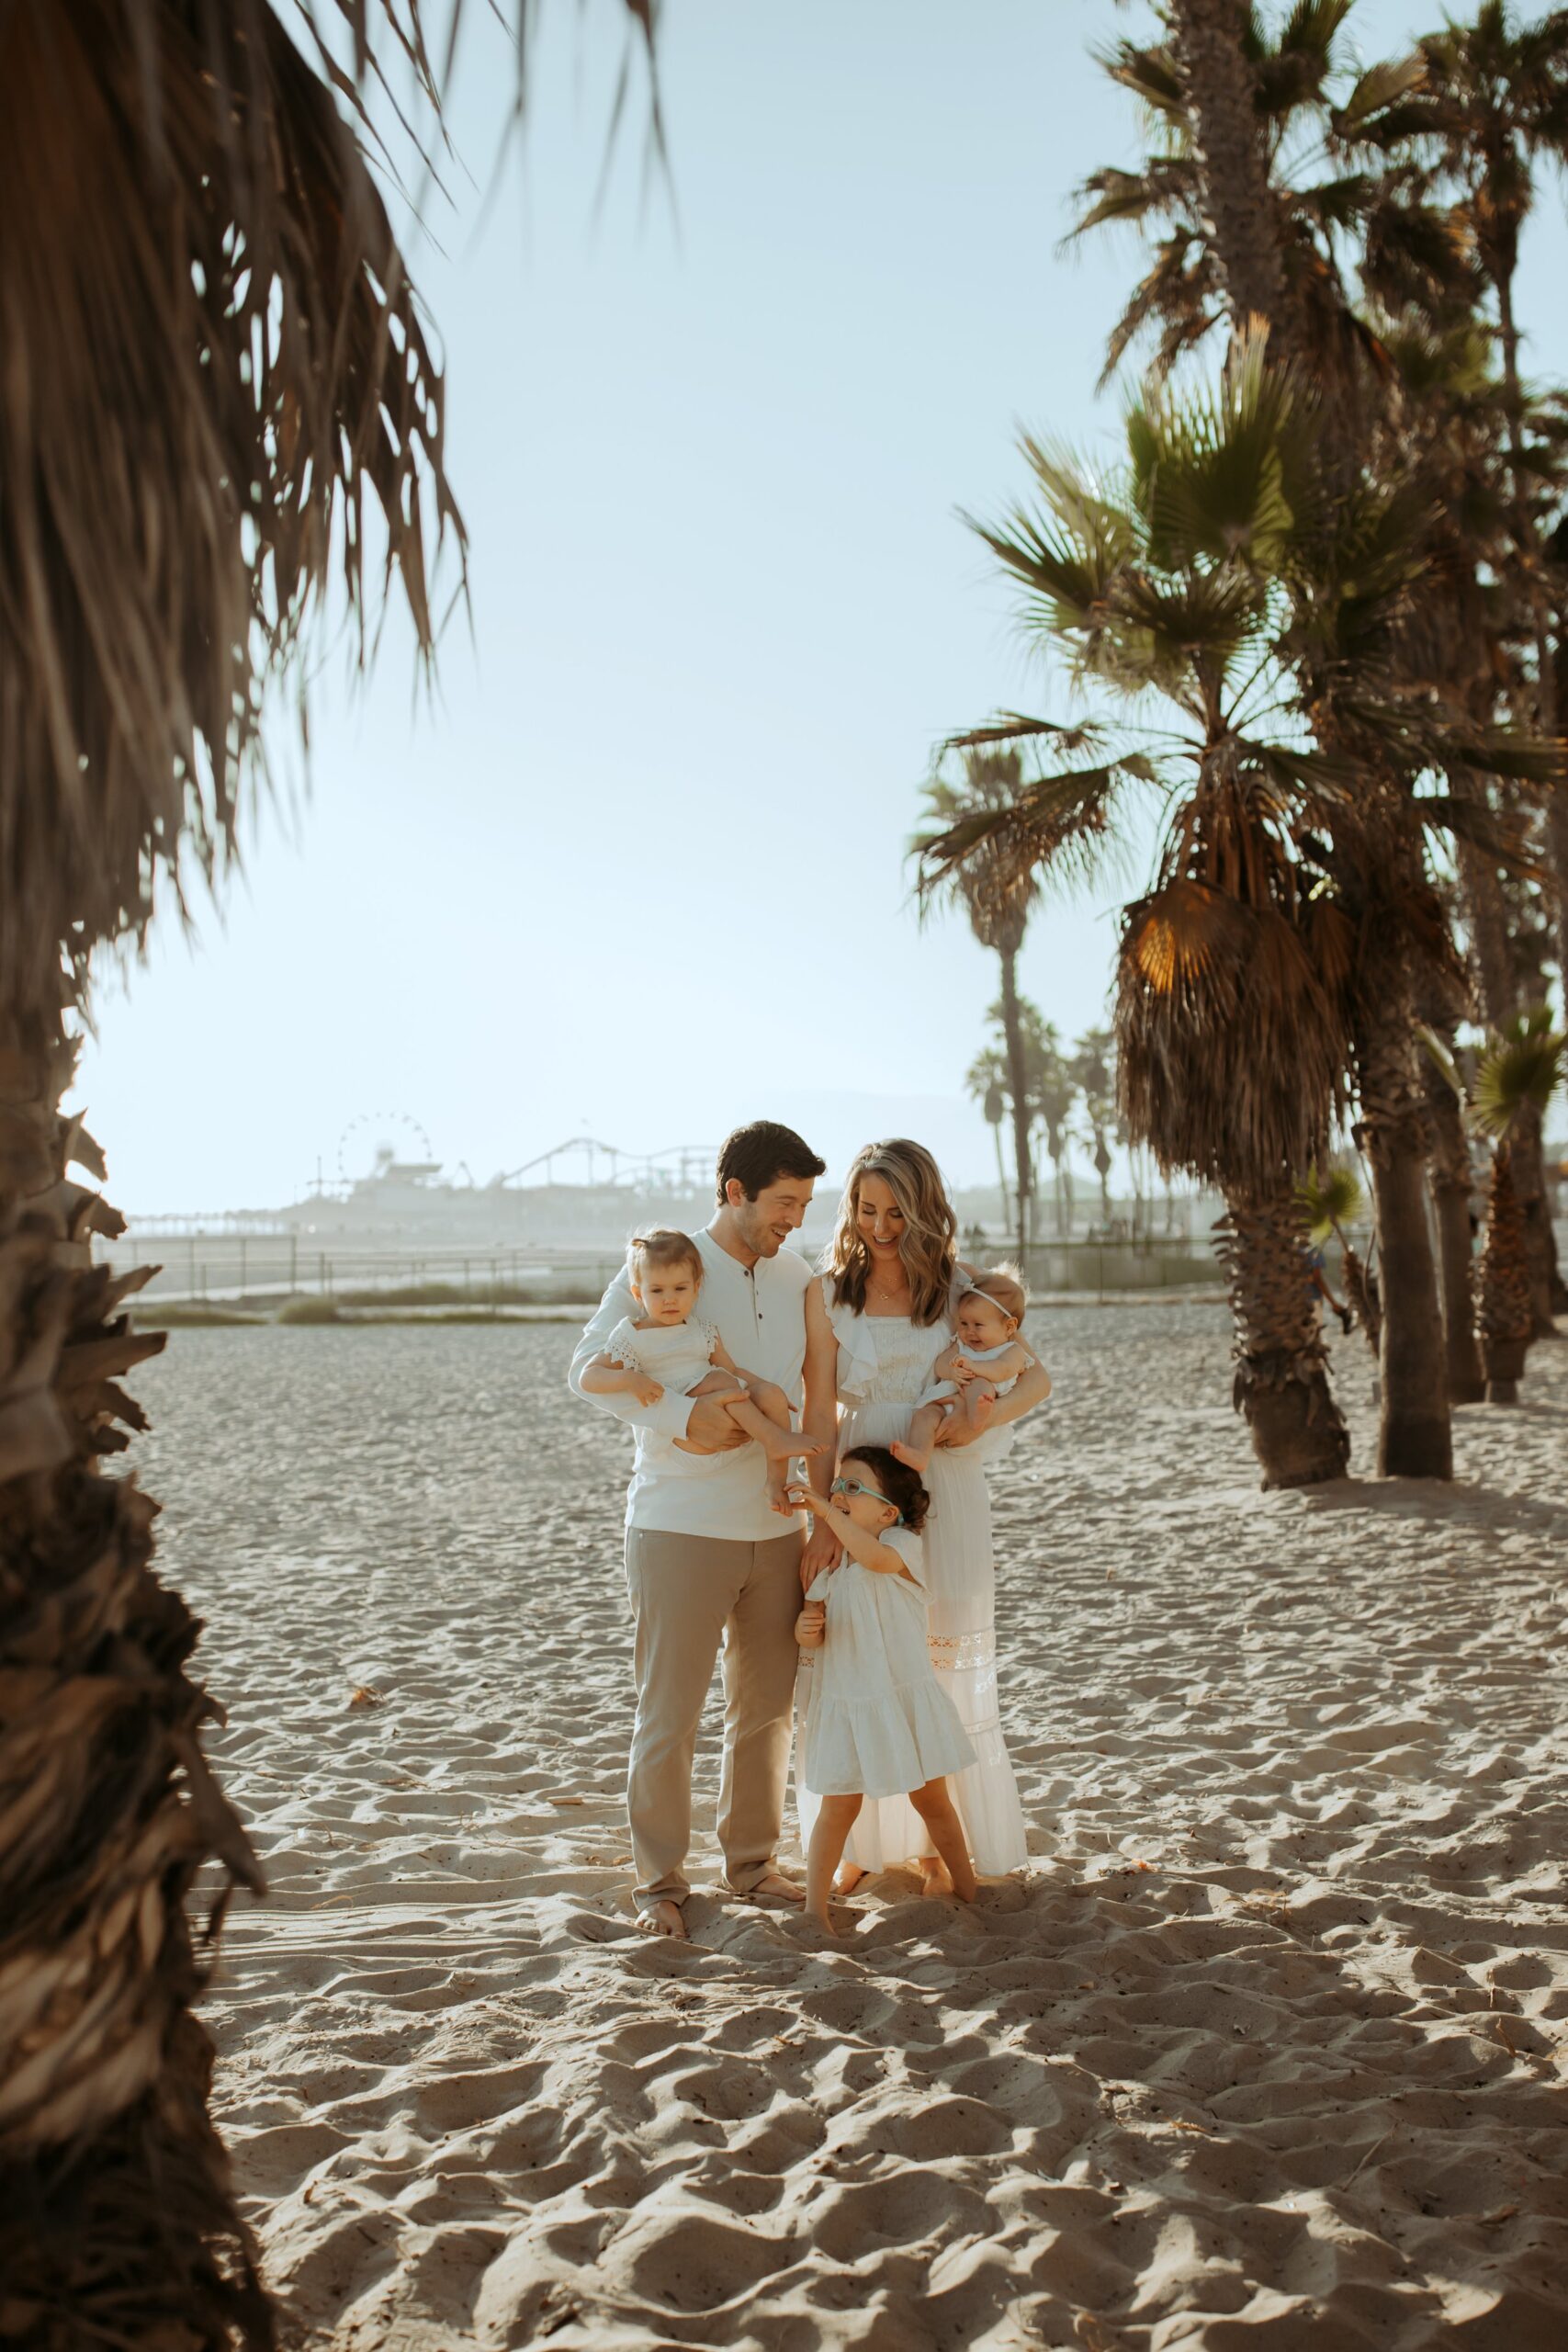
(758, 1155)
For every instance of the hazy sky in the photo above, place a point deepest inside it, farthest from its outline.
(639, 872)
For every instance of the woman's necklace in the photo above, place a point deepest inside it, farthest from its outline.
(883, 1291)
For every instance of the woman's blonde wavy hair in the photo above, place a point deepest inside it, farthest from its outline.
(929, 1245)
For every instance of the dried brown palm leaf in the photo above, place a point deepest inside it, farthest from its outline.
(219, 401)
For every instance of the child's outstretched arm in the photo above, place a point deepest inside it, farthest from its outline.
(869, 1549)
(605, 1376)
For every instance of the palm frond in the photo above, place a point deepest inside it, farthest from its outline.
(1520, 1068)
(1152, 76)
(1331, 1196)
(217, 374)
(1058, 828)
(1377, 90)
(1440, 1056)
(1231, 1045)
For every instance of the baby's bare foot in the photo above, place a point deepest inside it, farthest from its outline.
(786, 1446)
(911, 1456)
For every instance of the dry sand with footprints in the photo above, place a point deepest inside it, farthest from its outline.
(1269, 2052)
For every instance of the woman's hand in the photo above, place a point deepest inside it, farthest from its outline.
(810, 1625)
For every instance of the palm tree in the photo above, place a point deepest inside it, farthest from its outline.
(1093, 1073)
(220, 400)
(1230, 1021)
(1493, 98)
(1518, 1072)
(1052, 1093)
(1270, 257)
(1504, 1312)
(985, 1081)
(1333, 1199)
(1452, 1184)
(998, 904)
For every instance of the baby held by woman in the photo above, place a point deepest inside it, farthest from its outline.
(668, 1345)
(983, 1362)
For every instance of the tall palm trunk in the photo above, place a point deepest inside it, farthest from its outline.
(116, 2222)
(1221, 107)
(1414, 1439)
(1486, 914)
(1002, 1172)
(1528, 1164)
(1281, 1365)
(1505, 1305)
(1528, 1156)
(1448, 1174)
(1018, 1087)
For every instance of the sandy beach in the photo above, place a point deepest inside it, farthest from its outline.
(1270, 2050)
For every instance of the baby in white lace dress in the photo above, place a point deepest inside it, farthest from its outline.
(982, 1363)
(669, 1346)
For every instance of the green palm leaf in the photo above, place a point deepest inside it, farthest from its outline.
(1520, 1067)
(1332, 1197)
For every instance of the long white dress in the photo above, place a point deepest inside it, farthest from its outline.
(885, 1364)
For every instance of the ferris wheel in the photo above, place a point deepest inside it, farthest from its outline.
(386, 1133)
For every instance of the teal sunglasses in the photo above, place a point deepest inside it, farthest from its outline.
(855, 1486)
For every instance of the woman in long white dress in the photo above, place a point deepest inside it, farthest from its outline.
(890, 1280)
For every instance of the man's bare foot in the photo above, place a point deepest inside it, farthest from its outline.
(773, 1887)
(849, 1878)
(664, 1917)
(934, 1879)
(912, 1456)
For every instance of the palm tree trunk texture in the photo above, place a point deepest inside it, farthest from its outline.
(1001, 1173)
(1486, 916)
(1528, 1165)
(1281, 1365)
(1448, 1172)
(1018, 1087)
(1486, 920)
(118, 2225)
(1505, 1305)
(1222, 109)
(1414, 1438)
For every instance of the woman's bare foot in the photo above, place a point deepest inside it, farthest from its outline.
(934, 1879)
(911, 1455)
(664, 1917)
(774, 1888)
(822, 1921)
(849, 1878)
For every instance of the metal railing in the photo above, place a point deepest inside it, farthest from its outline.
(224, 1269)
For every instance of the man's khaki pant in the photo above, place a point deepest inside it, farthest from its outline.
(688, 1593)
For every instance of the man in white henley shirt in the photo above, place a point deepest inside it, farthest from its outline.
(709, 1560)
